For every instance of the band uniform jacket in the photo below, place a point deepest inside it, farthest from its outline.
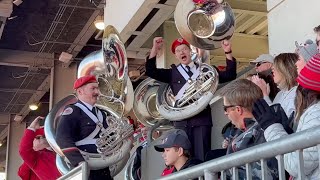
(75, 125)
(176, 81)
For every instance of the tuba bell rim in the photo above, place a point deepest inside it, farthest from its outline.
(208, 18)
(221, 32)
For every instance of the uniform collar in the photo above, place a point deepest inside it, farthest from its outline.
(89, 106)
(191, 65)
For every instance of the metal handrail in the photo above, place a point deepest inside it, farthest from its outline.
(293, 142)
(83, 169)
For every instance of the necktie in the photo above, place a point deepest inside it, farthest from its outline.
(189, 71)
(94, 111)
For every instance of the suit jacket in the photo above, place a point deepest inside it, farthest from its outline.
(176, 81)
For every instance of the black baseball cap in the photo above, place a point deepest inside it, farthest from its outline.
(174, 139)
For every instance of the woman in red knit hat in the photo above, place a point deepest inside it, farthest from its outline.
(307, 116)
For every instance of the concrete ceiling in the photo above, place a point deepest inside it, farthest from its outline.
(34, 34)
(251, 23)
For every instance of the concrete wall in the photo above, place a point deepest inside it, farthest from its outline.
(62, 82)
(290, 21)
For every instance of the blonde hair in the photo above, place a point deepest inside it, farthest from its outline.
(284, 63)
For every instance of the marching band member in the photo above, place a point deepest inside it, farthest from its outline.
(80, 125)
(199, 126)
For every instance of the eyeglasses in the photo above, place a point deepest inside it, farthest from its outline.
(225, 108)
(260, 63)
(182, 50)
(317, 42)
(40, 137)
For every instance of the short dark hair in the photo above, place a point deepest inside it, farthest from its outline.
(316, 29)
(186, 152)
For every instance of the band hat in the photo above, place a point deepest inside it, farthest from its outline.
(309, 76)
(263, 58)
(174, 139)
(84, 80)
(178, 42)
(306, 50)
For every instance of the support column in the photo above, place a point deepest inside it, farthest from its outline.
(62, 80)
(290, 21)
(15, 133)
(170, 33)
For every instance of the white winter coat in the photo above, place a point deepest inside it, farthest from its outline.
(310, 118)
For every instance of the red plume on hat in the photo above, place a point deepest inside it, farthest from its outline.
(178, 42)
(84, 80)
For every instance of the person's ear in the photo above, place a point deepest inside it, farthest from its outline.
(79, 91)
(180, 151)
(239, 110)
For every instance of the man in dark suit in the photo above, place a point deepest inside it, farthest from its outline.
(199, 126)
(80, 125)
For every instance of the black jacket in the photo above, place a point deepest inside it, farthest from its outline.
(252, 135)
(190, 162)
(74, 126)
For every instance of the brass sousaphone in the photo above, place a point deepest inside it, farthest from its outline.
(204, 25)
(110, 66)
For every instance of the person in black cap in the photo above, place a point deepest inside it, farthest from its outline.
(176, 151)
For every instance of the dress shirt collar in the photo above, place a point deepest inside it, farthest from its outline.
(191, 65)
(88, 105)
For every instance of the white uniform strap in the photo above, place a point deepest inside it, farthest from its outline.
(98, 120)
(186, 77)
(183, 72)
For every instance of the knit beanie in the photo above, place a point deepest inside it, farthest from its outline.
(309, 76)
(307, 50)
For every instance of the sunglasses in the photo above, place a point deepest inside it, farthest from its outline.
(260, 63)
(225, 108)
(40, 137)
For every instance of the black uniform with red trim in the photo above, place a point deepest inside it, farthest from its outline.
(199, 126)
(75, 125)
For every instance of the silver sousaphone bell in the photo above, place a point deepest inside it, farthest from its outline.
(204, 25)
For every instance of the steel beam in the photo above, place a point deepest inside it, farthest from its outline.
(85, 34)
(13, 90)
(42, 89)
(25, 59)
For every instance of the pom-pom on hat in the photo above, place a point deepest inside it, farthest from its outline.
(307, 50)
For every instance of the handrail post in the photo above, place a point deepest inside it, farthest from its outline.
(208, 175)
(301, 174)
